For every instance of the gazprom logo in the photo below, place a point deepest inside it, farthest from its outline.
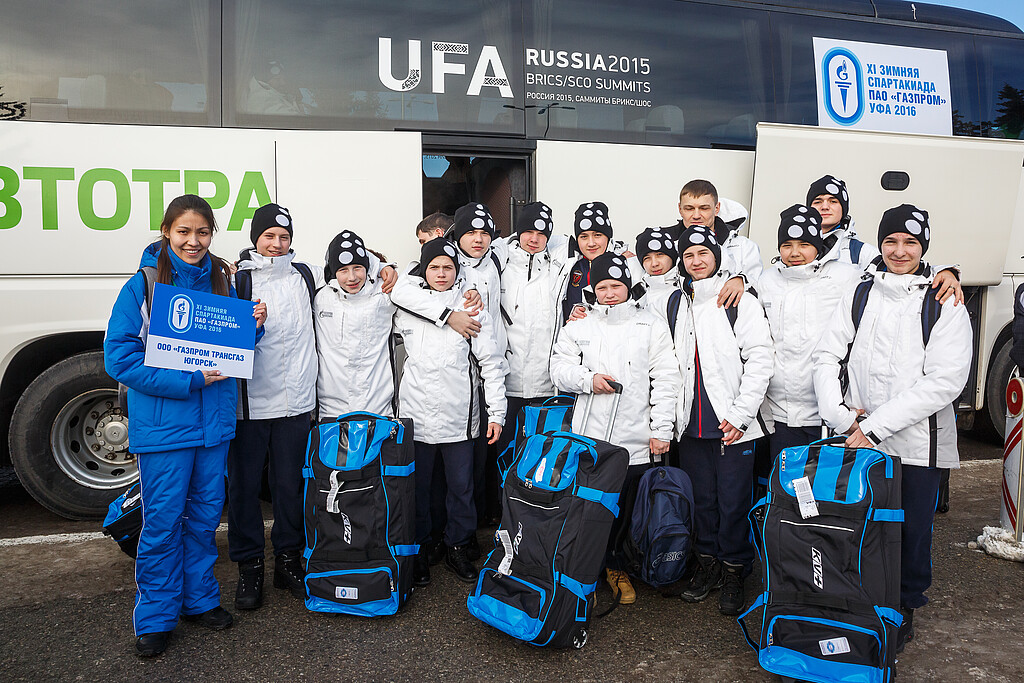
(843, 86)
(181, 313)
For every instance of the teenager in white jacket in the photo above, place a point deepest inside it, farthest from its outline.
(275, 410)
(529, 297)
(800, 292)
(621, 342)
(727, 358)
(657, 254)
(901, 388)
(353, 320)
(439, 393)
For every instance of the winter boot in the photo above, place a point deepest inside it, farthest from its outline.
(249, 594)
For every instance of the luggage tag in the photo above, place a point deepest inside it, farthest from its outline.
(505, 566)
(805, 498)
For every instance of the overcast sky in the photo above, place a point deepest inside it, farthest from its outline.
(1012, 10)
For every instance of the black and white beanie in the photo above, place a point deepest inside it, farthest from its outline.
(535, 216)
(802, 223)
(346, 249)
(834, 186)
(438, 246)
(472, 216)
(700, 236)
(269, 216)
(909, 219)
(592, 216)
(610, 266)
(654, 240)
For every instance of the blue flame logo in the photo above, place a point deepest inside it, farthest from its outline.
(180, 317)
(843, 86)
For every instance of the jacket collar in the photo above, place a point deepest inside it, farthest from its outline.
(363, 293)
(707, 289)
(615, 314)
(188, 276)
(253, 260)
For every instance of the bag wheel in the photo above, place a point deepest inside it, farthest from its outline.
(579, 639)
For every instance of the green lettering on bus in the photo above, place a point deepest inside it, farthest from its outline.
(48, 177)
(12, 207)
(122, 199)
(156, 179)
(221, 187)
(252, 183)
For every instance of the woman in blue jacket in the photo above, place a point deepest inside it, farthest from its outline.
(180, 426)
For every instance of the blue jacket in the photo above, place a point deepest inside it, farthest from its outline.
(169, 409)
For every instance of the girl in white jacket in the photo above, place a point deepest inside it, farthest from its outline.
(908, 361)
(438, 392)
(353, 320)
(275, 411)
(621, 342)
(726, 357)
(800, 292)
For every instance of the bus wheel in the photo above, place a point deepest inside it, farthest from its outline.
(69, 439)
(999, 372)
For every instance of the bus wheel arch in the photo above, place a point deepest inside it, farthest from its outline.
(1000, 368)
(68, 438)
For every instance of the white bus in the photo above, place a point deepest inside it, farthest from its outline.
(351, 110)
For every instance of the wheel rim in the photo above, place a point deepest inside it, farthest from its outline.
(89, 441)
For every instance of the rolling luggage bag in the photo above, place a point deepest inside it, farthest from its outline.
(360, 515)
(560, 496)
(828, 536)
(551, 415)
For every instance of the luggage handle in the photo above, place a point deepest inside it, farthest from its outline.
(617, 387)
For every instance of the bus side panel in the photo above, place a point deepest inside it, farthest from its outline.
(640, 184)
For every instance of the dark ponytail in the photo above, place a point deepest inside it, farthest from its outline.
(220, 272)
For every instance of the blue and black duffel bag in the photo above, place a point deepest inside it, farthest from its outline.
(360, 515)
(561, 494)
(828, 535)
(123, 522)
(553, 414)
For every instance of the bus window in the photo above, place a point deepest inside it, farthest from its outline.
(793, 57)
(666, 73)
(373, 65)
(111, 61)
(1002, 86)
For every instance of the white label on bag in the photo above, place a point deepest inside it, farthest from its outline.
(346, 593)
(505, 566)
(805, 497)
(834, 646)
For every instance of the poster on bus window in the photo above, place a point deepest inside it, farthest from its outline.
(870, 86)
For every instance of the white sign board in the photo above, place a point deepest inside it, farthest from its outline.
(870, 86)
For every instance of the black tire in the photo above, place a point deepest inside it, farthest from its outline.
(1000, 369)
(72, 405)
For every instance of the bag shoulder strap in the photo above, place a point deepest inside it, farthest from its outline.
(855, 247)
(243, 285)
(860, 302)
(673, 310)
(930, 312)
(307, 276)
(149, 273)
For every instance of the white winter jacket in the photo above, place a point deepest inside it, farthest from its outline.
(529, 296)
(439, 384)
(736, 361)
(800, 302)
(840, 251)
(634, 347)
(906, 389)
(283, 382)
(657, 289)
(353, 334)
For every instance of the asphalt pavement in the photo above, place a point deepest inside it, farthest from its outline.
(65, 614)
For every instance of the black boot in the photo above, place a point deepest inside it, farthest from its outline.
(152, 644)
(458, 562)
(730, 600)
(288, 574)
(216, 619)
(436, 552)
(421, 570)
(473, 549)
(906, 632)
(707, 578)
(249, 593)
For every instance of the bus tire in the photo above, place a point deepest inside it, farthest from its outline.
(999, 372)
(69, 439)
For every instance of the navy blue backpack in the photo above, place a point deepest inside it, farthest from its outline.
(828, 536)
(360, 515)
(657, 550)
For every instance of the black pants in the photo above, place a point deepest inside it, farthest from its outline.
(787, 437)
(723, 489)
(457, 459)
(920, 494)
(283, 439)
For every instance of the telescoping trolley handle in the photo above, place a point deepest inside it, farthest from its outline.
(611, 418)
